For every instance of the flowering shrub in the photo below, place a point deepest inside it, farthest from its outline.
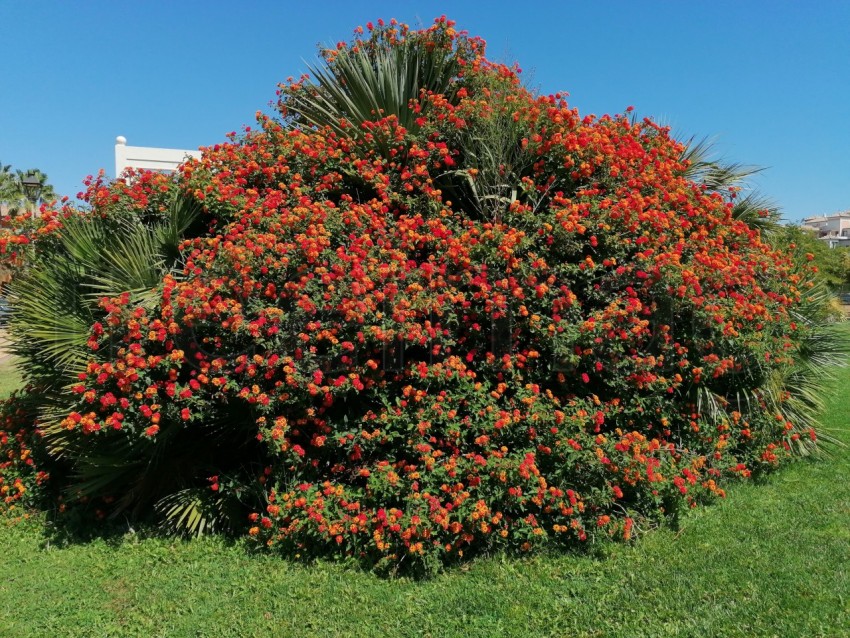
(20, 479)
(500, 326)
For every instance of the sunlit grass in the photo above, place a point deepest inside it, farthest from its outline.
(10, 377)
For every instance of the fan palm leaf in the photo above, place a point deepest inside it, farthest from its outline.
(795, 390)
(55, 301)
(717, 176)
(369, 82)
(50, 320)
(757, 212)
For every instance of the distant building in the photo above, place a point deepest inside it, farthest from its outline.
(833, 229)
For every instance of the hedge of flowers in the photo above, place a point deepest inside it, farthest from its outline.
(21, 479)
(387, 345)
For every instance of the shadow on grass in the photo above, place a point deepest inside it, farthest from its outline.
(82, 527)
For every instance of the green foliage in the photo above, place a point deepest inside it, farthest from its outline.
(832, 264)
(57, 298)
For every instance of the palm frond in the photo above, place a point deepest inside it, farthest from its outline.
(113, 260)
(135, 265)
(704, 168)
(711, 405)
(194, 512)
(367, 83)
(757, 212)
(50, 320)
(726, 178)
(182, 215)
(798, 390)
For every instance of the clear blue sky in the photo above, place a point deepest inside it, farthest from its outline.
(769, 80)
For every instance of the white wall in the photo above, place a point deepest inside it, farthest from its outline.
(157, 159)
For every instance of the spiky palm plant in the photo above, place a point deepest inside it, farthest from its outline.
(799, 389)
(379, 77)
(796, 390)
(376, 78)
(55, 301)
(730, 179)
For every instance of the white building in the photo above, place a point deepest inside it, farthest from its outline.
(146, 157)
(833, 229)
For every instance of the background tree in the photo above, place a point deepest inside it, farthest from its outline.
(8, 189)
(12, 194)
(832, 264)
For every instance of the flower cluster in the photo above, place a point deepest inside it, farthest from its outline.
(20, 478)
(503, 326)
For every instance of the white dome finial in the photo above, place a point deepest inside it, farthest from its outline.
(121, 140)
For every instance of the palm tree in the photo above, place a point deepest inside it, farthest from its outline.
(376, 78)
(797, 389)
(5, 172)
(54, 305)
(13, 196)
(8, 189)
(55, 302)
(381, 77)
(721, 177)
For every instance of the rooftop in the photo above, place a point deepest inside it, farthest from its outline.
(844, 214)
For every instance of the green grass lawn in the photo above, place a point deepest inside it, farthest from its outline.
(10, 378)
(770, 560)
